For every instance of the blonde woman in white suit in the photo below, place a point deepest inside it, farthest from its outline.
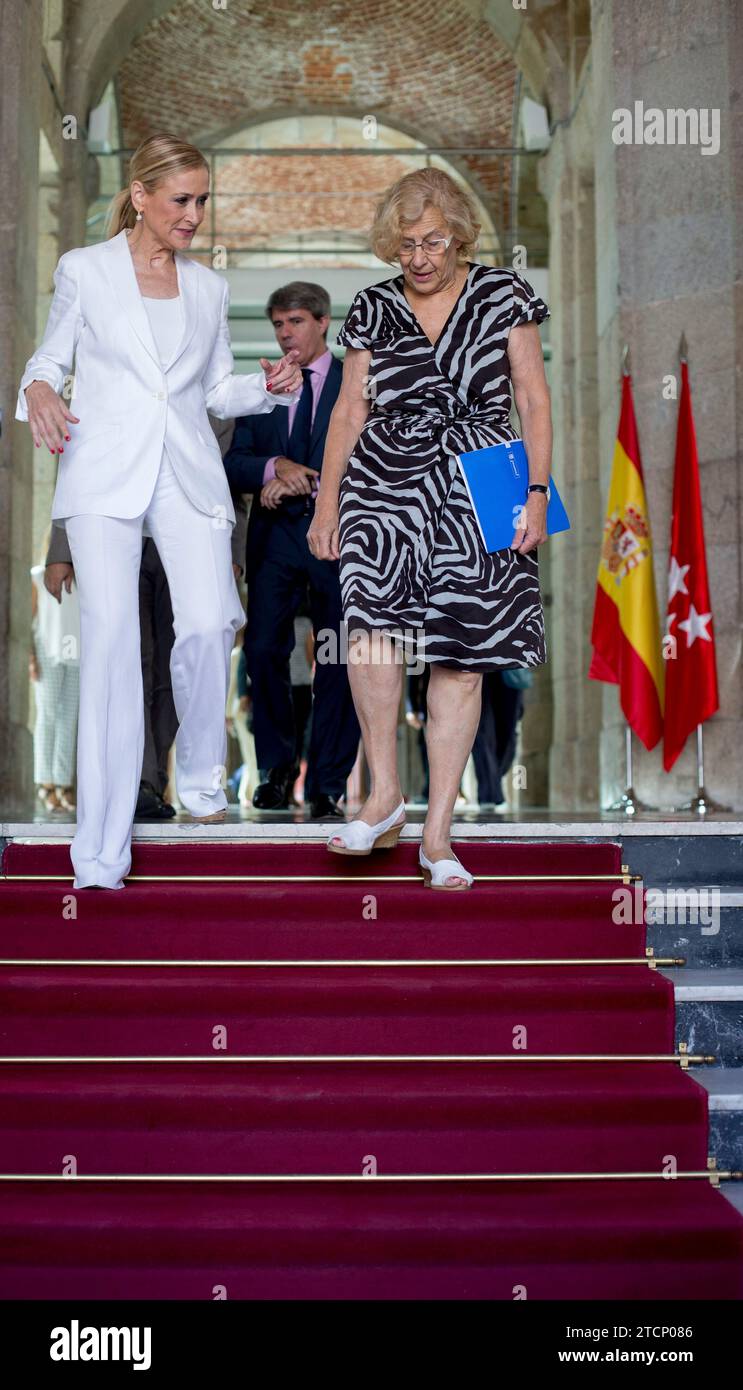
(146, 330)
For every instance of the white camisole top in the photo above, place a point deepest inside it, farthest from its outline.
(166, 322)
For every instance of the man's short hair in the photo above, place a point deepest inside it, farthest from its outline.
(300, 294)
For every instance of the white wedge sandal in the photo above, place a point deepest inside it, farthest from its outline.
(360, 838)
(436, 873)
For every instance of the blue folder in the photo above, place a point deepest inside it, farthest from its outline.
(496, 480)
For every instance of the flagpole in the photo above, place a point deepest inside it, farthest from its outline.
(702, 804)
(629, 802)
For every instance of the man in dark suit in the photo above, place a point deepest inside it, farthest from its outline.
(278, 458)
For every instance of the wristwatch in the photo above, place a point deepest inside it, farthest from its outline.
(539, 487)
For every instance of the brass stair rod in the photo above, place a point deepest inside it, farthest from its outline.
(330, 878)
(650, 961)
(693, 1175)
(684, 1058)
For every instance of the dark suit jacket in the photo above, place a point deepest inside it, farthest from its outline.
(258, 438)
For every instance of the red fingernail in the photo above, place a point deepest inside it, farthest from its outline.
(68, 437)
(269, 387)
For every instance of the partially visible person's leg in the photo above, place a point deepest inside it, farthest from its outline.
(65, 733)
(249, 776)
(106, 553)
(275, 590)
(160, 718)
(335, 733)
(454, 699)
(508, 708)
(163, 717)
(46, 699)
(196, 555)
(376, 685)
(302, 705)
(484, 753)
(147, 640)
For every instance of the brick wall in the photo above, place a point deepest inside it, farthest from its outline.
(439, 74)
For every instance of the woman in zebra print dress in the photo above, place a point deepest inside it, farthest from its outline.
(432, 355)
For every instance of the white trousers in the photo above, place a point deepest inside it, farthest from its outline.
(195, 550)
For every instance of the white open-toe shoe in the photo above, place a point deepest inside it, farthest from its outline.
(436, 874)
(214, 819)
(360, 838)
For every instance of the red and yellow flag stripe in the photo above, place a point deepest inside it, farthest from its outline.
(626, 629)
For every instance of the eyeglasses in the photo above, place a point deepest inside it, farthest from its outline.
(430, 245)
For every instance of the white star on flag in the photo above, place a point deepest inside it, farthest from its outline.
(677, 578)
(696, 626)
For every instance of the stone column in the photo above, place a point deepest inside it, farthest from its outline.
(73, 202)
(45, 466)
(20, 24)
(566, 180)
(669, 260)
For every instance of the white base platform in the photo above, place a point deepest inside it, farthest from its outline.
(469, 823)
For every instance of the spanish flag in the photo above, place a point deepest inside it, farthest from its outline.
(626, 630)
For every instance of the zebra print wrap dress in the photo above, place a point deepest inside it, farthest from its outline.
(412, 561)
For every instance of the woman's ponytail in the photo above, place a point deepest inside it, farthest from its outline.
(121, 213)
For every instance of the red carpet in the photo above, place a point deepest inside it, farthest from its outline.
(274, 1011)
(368, 1239)
(319, 1118)
(601, 1238)
(300, 921)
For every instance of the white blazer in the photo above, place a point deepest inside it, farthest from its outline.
(129, 404)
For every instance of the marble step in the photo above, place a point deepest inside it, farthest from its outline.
(713, 940)
(709, 1012)
(724, 1086)
(713, 986)
(734, 1193)
(675, 855)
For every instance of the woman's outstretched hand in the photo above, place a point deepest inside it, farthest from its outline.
(284, 376)
(323, 535)
(48, 416)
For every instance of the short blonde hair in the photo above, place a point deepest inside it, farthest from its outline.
(153, 161)
(405, 202)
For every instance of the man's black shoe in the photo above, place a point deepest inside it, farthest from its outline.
(274, 793)
(325, 807)
(150, 805)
